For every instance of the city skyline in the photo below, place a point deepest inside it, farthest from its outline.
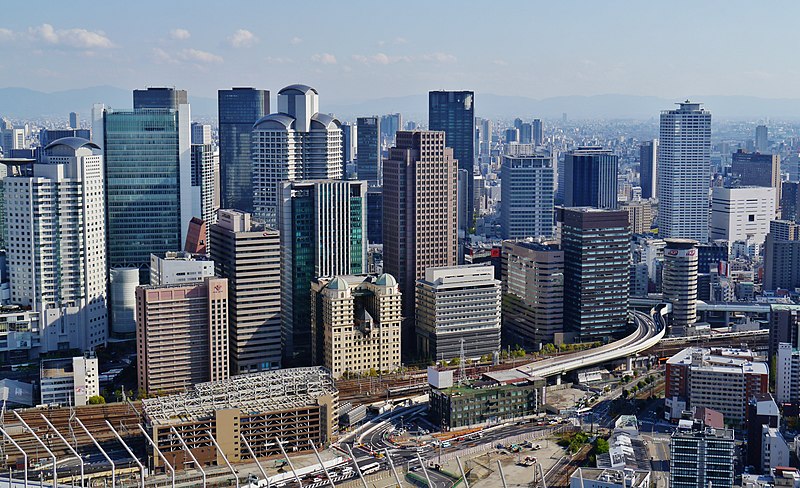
(353, 58)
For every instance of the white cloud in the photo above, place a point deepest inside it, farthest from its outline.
(199, 56)
(76, 38)
(279, 60)
(381, 58)
(242, 38)
(439, 57)
(500, 62)
(384, 59)
(179, 34)
(161, 57)
(6, 35)
(324, 58)
(185, 55)
(296, 40)
(400, 40)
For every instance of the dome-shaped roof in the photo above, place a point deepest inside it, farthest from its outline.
(326, 121)
(386, 280)
(297, 90)
(338, 283)
(74, 142)
(274, 121)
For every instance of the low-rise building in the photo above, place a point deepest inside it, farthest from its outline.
(356, 324)
(174, 268)
(495, 398)
(609, 478)
(292, 406)
(19, 335)
(70, 381)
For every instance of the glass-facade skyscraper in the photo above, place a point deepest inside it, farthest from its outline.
(369, 166)
(148, 176)
(454, 113)
(590, 178)
(239, 109)
(323, 231)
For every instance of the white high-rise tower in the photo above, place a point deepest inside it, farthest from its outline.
(684, 172)
(57, 244)
(297, 143)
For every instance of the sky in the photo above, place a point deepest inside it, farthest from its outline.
(353, 51)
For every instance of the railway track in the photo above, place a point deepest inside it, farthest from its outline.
(122, 416)
(559, 474)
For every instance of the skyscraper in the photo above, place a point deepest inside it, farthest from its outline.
(454, 113)
(56, 244)
(648, 155)
(420, 223)
(181, 334)
(596, 245)
(526, 133)
(754, 169)
(239, 109)
(323, 234)
(203, 170)
(684, 172)
(390, 124)
(590, 178)
(526, 201)
(680, 283)
(350, 143)
(538, 132)
(790, 201)
(159, 97)
(370, 164)
(150, 199)
(74, 120)
(458, 307)
(247, 253)
(533, 293)
(762, 139)
(296, 143)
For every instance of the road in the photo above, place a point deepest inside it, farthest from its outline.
(647, 334)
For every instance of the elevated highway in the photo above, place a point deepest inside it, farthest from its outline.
(649, 331)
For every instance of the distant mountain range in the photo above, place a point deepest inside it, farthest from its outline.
(22, 102)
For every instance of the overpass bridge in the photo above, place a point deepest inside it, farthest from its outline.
(649, 331)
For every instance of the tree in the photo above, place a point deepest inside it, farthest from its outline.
(96, 400)
(600, 446)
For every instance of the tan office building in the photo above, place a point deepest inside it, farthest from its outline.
(181, 335)
(357, 319)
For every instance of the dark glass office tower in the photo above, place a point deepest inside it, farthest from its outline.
(160, 97)
(369, 165)
(239, 109)
(454, 113)
(538, 133)
(596, 245)
(648, 152)
(375, 216)
(590, 178)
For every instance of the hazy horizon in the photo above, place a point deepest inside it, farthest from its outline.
(532, 49)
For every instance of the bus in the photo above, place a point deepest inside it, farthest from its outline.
(370, 468)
